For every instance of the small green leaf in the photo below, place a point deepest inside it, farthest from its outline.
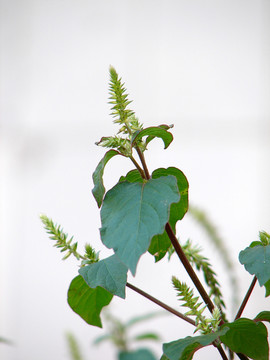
(132, 213)
(267, 288)
(99, 189)
(87, 302)
(160, 243)
(263, 316)
(140, 354)
(153, 132)
(108, 273)
(132, 176)
(255, 243)
(247, 337)
(257, 262)
(184, 349)
(147, 336)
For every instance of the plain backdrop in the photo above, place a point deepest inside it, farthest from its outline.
(200, 65)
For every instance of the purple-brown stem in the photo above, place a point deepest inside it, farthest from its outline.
(160, 303)
(246, 298)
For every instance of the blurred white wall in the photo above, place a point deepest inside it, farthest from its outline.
(201, 65)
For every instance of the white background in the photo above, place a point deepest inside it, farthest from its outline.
(200, 65)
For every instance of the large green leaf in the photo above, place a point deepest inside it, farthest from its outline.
(257, 262)
(109, 273)
(152, 132)
(99, 189)
(87, 302)
(132, 213)
(247, 337)
(184, 349)
(140, 354)
(160, 243)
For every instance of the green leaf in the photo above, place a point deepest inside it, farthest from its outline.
(140, 354)
(263, 316)
(108, 273)
(153, 132)
(99, 189)
(87, 302)
(147, 336)
(257, 262)
(247, 337)
(132, 176)
(267, 288)
(132, 213)
(184, 349)
(160, 243)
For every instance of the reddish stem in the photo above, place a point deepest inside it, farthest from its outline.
(246, 298)
(160, 303)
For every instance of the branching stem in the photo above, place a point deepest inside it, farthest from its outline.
(244, 302)
(141, 156)
(138, 167)
(160, 303)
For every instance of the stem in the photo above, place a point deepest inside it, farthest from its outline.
(160, 303)
(138, 167)
(222, 352)
(242, 356)
(141, 156)
(246, 298)
(189, 269)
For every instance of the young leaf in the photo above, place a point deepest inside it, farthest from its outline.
(263, 316)
(153, 132)
(109, 274)
(132, 176)
(99, 189)
(87, 302)
(247, 337)
(257, 262)
(160, 243)
(132, 213)
(140, 354)
(184, 349)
